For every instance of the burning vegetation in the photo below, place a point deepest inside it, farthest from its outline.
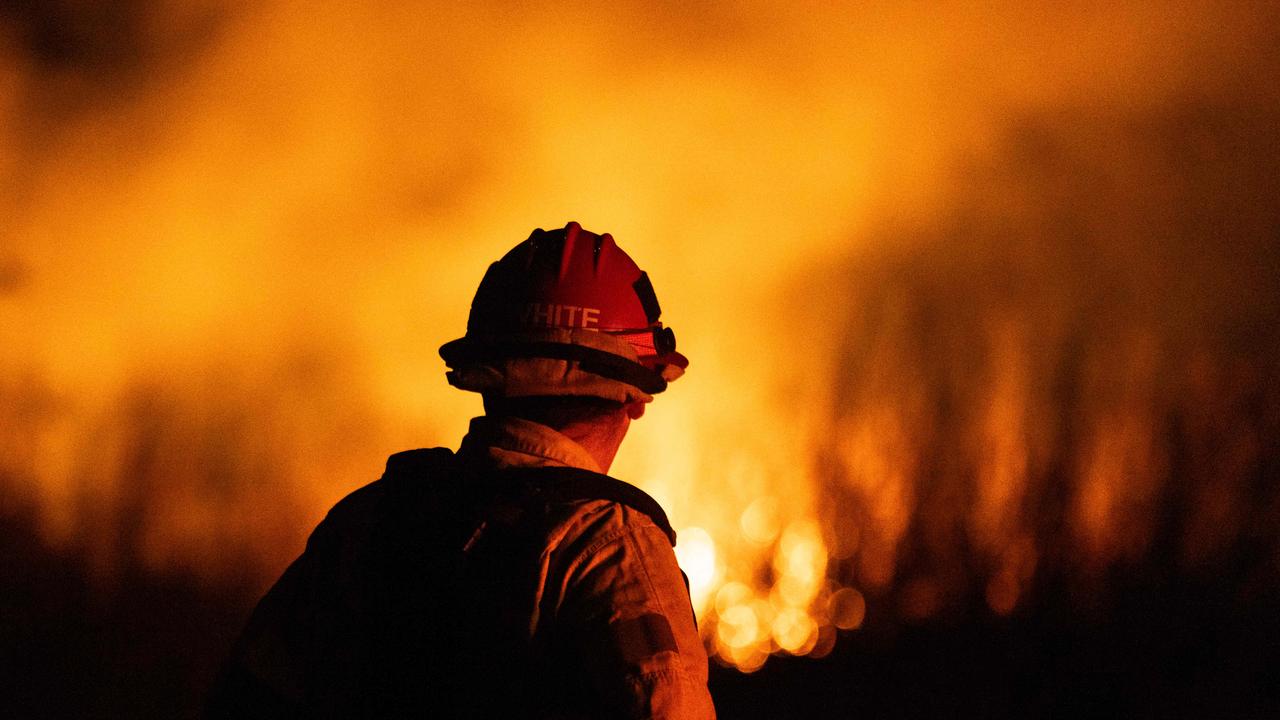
(963, 334)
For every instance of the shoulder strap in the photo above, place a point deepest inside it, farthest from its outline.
(418, 481)
(417, 463)
(566, 484)
(559, 484)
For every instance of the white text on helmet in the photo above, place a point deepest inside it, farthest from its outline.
(552, 315)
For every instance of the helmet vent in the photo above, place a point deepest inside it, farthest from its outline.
(571, 233)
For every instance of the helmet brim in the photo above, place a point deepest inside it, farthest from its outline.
(580, 349)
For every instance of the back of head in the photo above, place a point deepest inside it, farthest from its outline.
(559, 412)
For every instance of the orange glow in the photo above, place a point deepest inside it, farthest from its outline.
(696, 553)
(848, 609)
(759, 522)
(927, 316)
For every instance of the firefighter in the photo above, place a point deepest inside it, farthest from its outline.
(512, 578)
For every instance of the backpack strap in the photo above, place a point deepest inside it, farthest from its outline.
(567, 484)
(553, 484)
(411, 464)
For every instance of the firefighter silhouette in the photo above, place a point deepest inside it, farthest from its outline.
(511, 578)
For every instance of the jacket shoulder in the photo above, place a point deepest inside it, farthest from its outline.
(406, 472)
(417, 463)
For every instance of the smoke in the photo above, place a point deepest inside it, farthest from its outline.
(968, 292)
(1073, 365)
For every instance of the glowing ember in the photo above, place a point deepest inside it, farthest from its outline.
(696, 553)
(847, 608)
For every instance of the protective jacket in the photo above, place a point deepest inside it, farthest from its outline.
(507, 580)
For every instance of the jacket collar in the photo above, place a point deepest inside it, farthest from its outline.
(505, 442)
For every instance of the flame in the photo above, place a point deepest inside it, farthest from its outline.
(921, 305)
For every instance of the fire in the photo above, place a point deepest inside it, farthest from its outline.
(939, 339)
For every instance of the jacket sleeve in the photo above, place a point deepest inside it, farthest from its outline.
(636, 629)
(267, 673)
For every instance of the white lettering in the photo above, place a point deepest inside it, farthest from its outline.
(541, 314)
(590, 316)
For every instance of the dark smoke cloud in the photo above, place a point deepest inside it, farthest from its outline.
(107, 41)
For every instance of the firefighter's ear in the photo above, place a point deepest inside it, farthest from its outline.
(635, 409)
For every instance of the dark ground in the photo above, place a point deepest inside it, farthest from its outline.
(146, 646)
(1163, 653)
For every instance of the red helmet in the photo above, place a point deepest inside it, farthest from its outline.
(565, 312)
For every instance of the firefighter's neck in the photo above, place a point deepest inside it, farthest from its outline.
(600, 438)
